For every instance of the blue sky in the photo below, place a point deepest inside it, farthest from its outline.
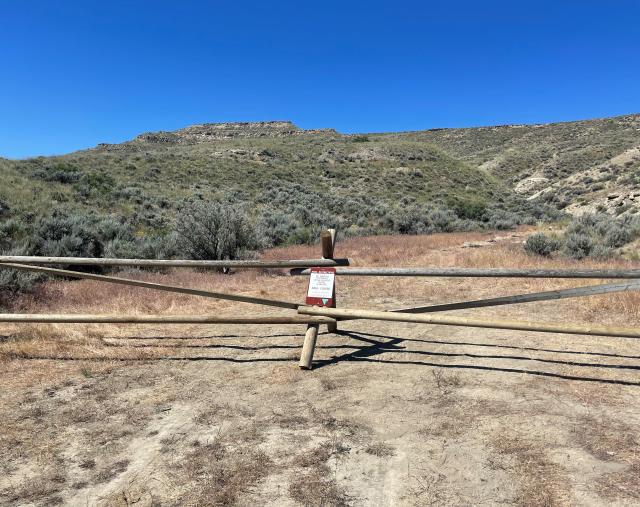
(76, 73)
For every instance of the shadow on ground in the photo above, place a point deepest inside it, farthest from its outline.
(373, 348)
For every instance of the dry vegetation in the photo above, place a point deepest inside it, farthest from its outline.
(393, 414)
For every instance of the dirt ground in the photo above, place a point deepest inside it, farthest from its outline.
(392, 414)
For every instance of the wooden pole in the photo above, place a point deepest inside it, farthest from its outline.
(173, 263)
(590, 290)
(483, 272)
(327, 253)
(308, 347)
(327, 245)
(157, 319)
(544, 327)
(154, 286)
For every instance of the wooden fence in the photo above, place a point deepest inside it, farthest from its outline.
(313, 316)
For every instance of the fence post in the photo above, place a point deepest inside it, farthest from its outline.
(328, 242)
(309, 346)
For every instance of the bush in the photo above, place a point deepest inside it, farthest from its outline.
(13, 283)
(60, 173)
(276, 228)
(578, 245)
(61, 235)
(443, 220)
(592, 235)
(602, 252)
(617, 237)
(470, 209)
(541, 244)
(213, 231)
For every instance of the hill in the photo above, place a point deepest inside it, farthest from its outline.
(297, 180)
(578, 166)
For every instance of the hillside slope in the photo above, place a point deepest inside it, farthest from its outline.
(280, 173)
(580, 166)
(299, 180)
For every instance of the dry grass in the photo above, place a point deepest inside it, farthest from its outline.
(317, 488)
(219, 473)
(613, 441)
(314, 483)
(621, 485)
(43, 490)
(607, 439)
(542, 483)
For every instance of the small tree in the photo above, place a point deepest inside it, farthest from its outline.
(214, 231)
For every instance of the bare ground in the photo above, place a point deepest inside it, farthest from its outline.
(392, 414)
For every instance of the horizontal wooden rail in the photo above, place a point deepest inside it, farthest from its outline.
(154, 286)
(173, 263)
(157, 319)
(446, 320)
(590, 290)
(483, 272)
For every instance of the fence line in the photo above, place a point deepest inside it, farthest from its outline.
(175, 263)
(482, 272)
(313, 317)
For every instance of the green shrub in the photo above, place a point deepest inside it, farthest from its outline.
(443, 220)
(541, 244)
(213, 231)
(617, 236)
(276, 228)
(592, 235)
(469, 208)
(14, 283)
(61, 235)
(578, 245)
(602, 252)
(60, 173)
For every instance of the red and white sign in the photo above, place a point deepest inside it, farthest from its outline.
(322, 287)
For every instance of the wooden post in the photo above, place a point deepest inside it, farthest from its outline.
(309, 346)
(327, 243)
(328, 240)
